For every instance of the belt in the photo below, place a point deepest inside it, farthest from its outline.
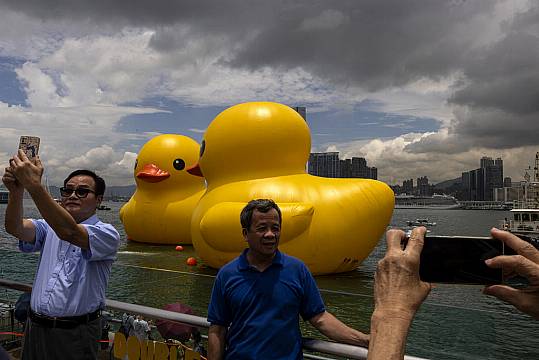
(66, 322)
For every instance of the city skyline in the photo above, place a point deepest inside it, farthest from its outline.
(416, 88)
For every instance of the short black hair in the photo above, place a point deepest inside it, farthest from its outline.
(99, 182)
(260, 205)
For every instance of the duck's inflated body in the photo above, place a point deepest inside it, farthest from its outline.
(259, 150)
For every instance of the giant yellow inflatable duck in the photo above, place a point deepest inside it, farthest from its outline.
(259, 150)
(159, 211)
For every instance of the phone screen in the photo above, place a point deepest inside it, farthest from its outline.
(30, 146)
(460, 260)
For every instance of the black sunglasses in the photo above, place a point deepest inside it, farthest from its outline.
(80, 192)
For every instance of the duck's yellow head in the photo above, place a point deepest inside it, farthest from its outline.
(254, 140)
(161, 164)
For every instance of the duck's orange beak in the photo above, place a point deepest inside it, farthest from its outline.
(195, 170)
(152, 174)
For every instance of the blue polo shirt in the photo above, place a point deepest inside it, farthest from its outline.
(262, 309)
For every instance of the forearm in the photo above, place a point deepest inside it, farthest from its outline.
(388, 336)
(216, 342)
(334, 329)
(58, 218)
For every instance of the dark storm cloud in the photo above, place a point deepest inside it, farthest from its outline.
(373, 45)
(506, 75)
(502, 91)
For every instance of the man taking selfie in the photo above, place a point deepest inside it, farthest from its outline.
(76, 255)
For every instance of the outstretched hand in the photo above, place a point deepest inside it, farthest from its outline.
(398, 291)
(526, 264)
(27, 172)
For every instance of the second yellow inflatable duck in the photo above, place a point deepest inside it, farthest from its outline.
(159, 211)
(260, 150)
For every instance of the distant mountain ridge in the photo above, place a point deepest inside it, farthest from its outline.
(448, 183)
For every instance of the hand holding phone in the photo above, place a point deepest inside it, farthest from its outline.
(30, 146)
(526, 265)
(460, 260)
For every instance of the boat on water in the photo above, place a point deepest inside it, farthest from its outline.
(524, 221)
(436, 201)
(420, 222)
(103, 207)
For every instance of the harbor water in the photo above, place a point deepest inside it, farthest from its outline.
(456, 322)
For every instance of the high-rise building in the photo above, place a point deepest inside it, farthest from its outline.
(345, 168)
(302, 110)
(423, 188)
(479, 184)
(329, 165)
(373, 173)
(408, 186)
(324, 164)
(507, 182)
(485, 162)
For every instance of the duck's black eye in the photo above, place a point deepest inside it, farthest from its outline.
(202, 147)
(136, 163)
(178, 164)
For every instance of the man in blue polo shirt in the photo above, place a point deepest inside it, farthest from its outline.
(77, 252)
(258, 297)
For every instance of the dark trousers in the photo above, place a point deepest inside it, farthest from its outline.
(44, 343)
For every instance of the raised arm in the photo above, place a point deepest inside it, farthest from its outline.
(28, 174)
(398, 293)
(216, 342)
(15, 225)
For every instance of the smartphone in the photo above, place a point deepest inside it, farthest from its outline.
(30, 146)
(461, 260)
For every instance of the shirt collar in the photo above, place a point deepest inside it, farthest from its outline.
(243, 265)
(92, 220)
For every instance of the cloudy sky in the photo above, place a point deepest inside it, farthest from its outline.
(416, 87)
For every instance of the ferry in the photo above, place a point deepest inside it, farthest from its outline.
(436, 201)
(524, 223)
(524, 220)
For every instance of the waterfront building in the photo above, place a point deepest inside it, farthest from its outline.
(408, 186)
(345, 168)
(328, 164)
(302, 110)
(423, 188)
(479, 184)
(325, 164)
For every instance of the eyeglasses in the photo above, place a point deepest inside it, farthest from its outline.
(80, 192)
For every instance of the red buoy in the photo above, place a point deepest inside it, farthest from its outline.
(191, 261)
(179, 248)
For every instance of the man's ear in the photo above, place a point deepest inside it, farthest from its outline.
(99, 198)
(244, 232)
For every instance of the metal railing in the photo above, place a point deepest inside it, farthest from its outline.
(320, 346)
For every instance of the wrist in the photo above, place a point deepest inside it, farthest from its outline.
(34, 188)
(16, 191)
(401, 316)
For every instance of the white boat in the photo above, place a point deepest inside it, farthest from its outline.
(524, 221)
(436, 201)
